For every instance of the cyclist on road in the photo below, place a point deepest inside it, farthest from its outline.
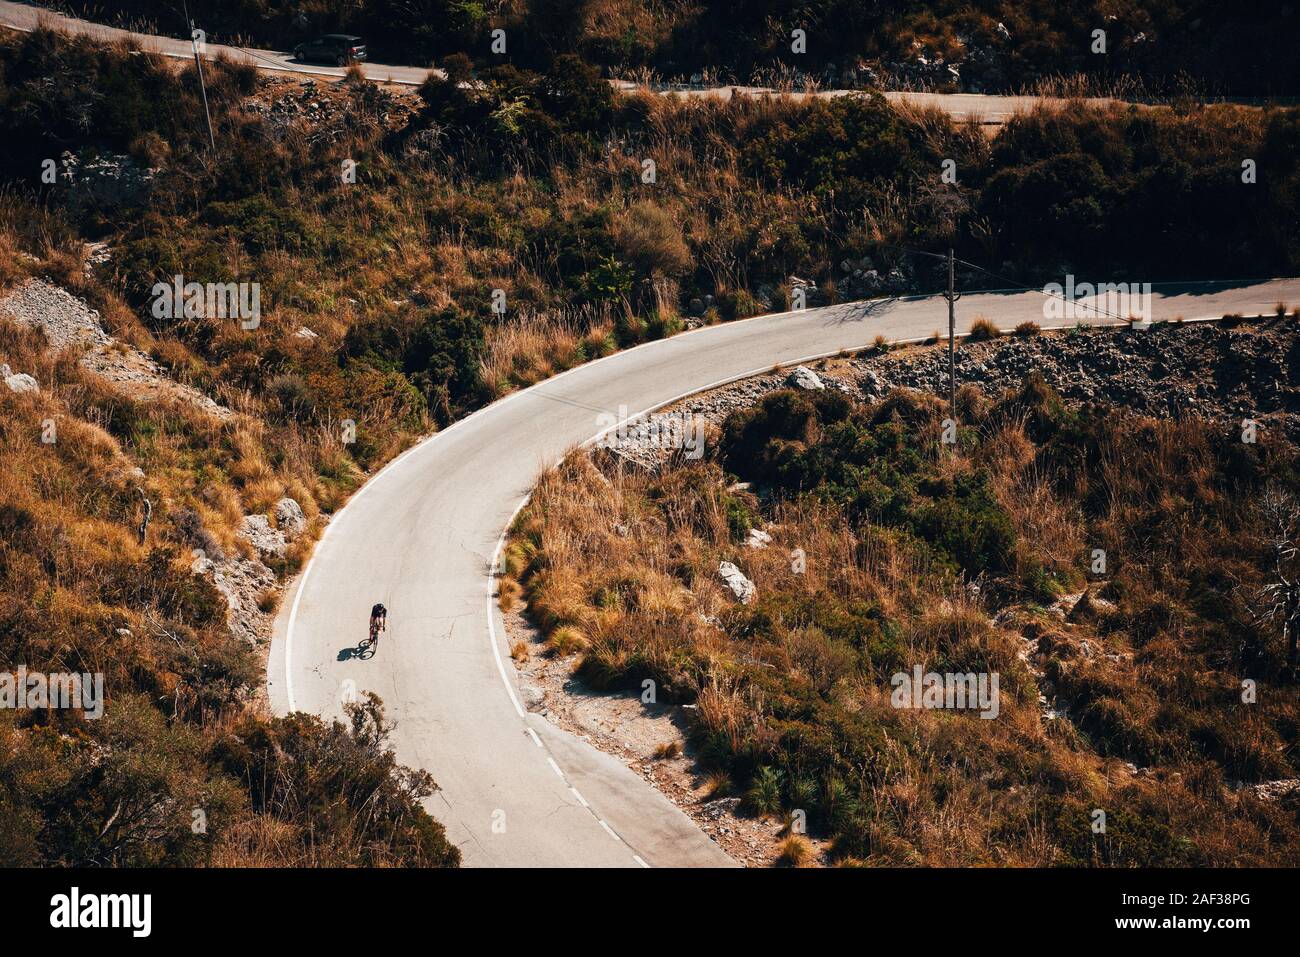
(378, 621)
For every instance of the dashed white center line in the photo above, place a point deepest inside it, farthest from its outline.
(637, 858)
(536, 740)
(581, 799)
(555, 767)
(609, 830)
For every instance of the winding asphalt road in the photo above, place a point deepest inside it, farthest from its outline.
(985, 109)
(423, 535)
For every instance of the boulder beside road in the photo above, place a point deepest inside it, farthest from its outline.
(740, 586)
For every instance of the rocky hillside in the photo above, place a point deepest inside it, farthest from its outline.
(123, 554)
(1223, 372)
(69, 323)
(1113, 556)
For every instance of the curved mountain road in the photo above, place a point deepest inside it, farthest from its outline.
(991, 110)
(422, 536)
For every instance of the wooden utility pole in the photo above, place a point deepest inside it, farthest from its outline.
(198, 63)
(203, 87)
(951, 296)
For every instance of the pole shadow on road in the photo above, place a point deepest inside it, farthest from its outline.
(858, 311)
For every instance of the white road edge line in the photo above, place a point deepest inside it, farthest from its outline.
(492, 627)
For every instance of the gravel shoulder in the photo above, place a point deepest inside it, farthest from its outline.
(649, 738)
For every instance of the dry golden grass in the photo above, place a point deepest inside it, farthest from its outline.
(630, 559)
(666, 752)
(1049, 527)
(983, 328)
(716, 784)
(259, 841)
(269, 600)
(508, 591)
(567, 640)
(527, 349)
(794, 851)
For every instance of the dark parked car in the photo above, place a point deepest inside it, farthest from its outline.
(337, 48)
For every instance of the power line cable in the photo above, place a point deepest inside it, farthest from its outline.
(1013, 284)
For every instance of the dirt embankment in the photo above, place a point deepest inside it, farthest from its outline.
(1223, 372)
(69, 323)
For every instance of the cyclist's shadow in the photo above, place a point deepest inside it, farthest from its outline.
(362, 651)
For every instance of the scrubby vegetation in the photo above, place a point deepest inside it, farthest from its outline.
(995, 44)
(532, 184)
(176, 771)
(889, 551)
(526, 182)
